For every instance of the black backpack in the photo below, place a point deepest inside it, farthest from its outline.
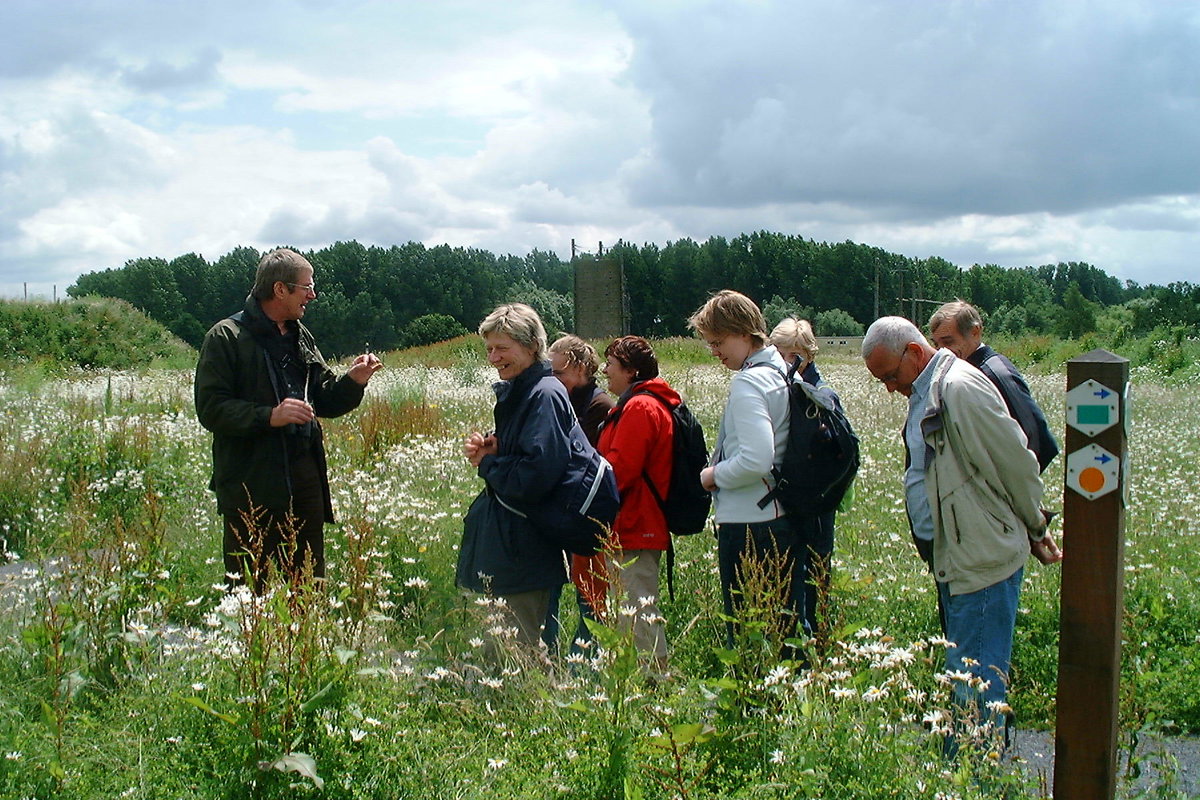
(687, 502)
(822, 457)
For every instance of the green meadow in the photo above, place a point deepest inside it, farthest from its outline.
(130, 673)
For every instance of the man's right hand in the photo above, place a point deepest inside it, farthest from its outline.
(291, 412)
(1045, 549)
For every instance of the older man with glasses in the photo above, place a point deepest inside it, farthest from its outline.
(261, 383)
(973, 495)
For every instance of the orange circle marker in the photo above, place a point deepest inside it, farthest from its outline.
(1091, 480)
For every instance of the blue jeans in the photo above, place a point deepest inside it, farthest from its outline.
(980, 624)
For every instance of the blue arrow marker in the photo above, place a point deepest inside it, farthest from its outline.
(1103, 393)
(1103, 458)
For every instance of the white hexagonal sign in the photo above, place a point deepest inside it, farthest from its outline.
(1092, 407)
(1093, 472)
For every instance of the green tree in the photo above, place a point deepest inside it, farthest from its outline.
(556, 310)
(836, 322)
(778, 309)
(431, 328)
(1079, 314)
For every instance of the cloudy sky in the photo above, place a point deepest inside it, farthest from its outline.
(984, 131)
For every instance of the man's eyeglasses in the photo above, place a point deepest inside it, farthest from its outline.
(307, 287)
(895, 374)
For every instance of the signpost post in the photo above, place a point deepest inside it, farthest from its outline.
(1089, 642)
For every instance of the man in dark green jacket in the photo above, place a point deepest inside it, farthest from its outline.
(260, 385)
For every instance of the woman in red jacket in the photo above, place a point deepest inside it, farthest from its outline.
(637, 440)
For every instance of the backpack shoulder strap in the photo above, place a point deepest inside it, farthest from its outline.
(658, 498)
(789, 376)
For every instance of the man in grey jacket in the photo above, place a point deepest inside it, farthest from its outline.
(973, 496)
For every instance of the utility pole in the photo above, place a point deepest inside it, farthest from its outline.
(876, 287)
(917, 293)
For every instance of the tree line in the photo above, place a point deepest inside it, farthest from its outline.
(408, 295)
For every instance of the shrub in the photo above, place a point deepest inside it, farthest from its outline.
(429, 329)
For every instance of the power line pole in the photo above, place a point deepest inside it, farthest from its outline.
(876, 287)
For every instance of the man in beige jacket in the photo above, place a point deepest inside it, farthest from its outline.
(973, 496)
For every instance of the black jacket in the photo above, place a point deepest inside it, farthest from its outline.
(236, 387)
(591, 405)
(501, 552)
(1021, 405)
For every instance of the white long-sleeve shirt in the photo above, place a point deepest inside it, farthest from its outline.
(752, 440)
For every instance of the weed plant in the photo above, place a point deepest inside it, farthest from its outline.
(131, 672)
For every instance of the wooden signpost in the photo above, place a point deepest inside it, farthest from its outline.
(1089, 642)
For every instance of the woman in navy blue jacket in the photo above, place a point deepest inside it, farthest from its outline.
(502, 553)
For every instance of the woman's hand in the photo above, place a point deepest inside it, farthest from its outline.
(708, 479)
(479, 445)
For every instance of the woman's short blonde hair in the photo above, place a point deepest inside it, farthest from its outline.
(795, 334)
(577, 352)
(729, 312)
(521, 323)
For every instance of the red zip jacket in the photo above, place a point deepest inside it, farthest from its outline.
(637, 437)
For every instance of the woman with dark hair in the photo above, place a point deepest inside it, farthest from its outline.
(637, 440)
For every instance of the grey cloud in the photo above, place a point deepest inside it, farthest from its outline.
(43, 38)
(338, 223)
(160, 76)
(937, 110)
(1176, 217)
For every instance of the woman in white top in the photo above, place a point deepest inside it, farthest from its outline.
(756, 546)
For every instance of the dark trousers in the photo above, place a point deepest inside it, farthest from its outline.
(814, 537)
(776, 541)
(290, 540)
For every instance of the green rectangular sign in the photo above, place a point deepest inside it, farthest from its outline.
(1093, 415)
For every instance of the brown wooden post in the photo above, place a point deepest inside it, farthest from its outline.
(1089, 643)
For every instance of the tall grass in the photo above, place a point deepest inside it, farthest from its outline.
(130, 672)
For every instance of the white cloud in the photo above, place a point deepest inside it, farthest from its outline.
(1016, 133)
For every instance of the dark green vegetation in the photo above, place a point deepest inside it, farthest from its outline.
(90, 333)
(128, 672)
(410, 295)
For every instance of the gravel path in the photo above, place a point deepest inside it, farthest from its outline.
(1035, 749)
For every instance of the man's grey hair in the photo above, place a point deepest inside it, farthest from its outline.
(964, 316)
(280, 265)
(893, 334)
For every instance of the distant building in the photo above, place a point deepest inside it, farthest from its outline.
(601, 307)
(851, 343)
